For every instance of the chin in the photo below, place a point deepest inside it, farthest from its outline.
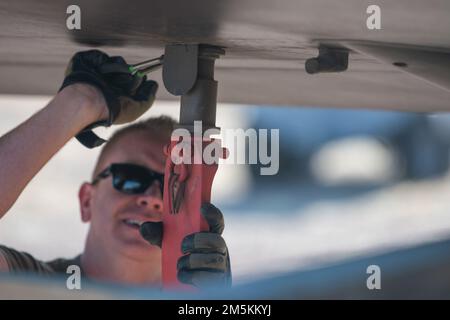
(139, 250)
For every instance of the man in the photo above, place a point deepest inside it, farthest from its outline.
(123, 202)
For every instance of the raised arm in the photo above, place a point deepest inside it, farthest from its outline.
(90, 97)
(27, 148)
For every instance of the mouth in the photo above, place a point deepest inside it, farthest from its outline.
(135, 224)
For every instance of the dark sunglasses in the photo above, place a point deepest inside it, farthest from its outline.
(130, 178)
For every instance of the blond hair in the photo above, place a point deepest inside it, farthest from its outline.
(161, 127)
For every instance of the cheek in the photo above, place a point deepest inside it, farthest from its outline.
(106, 206)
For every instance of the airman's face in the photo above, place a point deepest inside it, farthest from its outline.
(115, 216)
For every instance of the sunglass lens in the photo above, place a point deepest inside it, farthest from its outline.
(130, 179)
(134, 179)
(129, 186)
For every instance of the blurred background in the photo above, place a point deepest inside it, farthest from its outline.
(351, 183)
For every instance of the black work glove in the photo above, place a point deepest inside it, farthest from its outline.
(206, 261)
(127, 96)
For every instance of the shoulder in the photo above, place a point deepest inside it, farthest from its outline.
(16, 261)
(3, 263)
(62, 265)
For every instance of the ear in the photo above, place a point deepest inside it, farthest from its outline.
(85, 198)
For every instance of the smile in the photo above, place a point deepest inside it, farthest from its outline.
(132, 223)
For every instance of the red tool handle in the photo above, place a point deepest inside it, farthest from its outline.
(186, 188)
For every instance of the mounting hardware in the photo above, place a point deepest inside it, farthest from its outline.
(188, 71)
(329, 60)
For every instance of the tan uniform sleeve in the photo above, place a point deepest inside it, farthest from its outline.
(19, 262)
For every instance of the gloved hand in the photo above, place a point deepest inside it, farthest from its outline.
(206, 261)
(127, 96)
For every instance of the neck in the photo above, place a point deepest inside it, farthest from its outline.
(100, 263)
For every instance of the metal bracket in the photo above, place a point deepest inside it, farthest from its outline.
(188, 71)
(180, 68)
(329, 60)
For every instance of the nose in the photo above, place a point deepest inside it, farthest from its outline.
(152, 198)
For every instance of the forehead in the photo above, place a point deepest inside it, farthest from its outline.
(138, 148)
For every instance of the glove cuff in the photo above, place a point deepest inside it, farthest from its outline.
(86, 136)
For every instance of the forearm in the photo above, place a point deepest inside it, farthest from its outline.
(28, 147)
